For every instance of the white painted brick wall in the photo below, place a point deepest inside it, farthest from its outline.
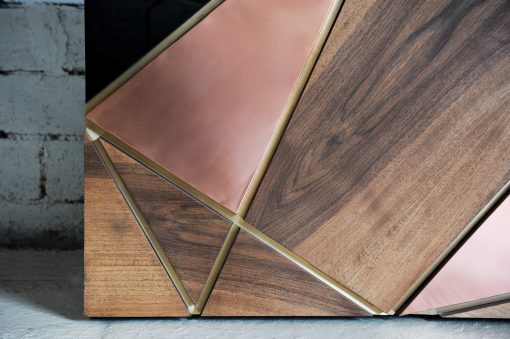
(42, 93)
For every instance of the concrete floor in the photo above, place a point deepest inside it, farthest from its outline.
(41, 297)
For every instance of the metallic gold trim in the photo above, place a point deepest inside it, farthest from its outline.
(236, 220)
(153, 53)
(216, 269)
(295, 95)
(435, 265)
(459, 308)
(308, 267)
(472, 305)
(161, 171)
(172, 274)
(269, 152)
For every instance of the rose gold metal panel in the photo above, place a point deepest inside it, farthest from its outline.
(206, 108)
(480, 268)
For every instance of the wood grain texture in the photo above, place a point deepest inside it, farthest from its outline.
(190, 234)
(495, 311)
(123, 277)
(256, 281)
(400, 138)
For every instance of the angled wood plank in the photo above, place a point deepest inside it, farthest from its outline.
(123, 277)
(190, 234)
(400, 138)
(478, 270)
(494, 311)
(256, 281)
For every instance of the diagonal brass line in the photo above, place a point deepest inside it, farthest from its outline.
(240, 223)
(237, 219)
(261, 169)
(169, 269)
(472, 305)
(451, 248)
(216, 269)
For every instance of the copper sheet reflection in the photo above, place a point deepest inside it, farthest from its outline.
(206, 108)
(480, 268)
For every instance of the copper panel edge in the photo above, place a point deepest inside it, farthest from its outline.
(209, 117)
(405, 301)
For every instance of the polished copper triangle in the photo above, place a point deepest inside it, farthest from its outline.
(256, 281)
(206, 108)
(478, 271)
(190, 234)
(123, 277)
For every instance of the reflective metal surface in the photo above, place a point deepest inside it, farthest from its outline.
(480, 268)
(205, 109)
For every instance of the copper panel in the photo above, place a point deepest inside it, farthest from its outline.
(479, 269)
(206, 108)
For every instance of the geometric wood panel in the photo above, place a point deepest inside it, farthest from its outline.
(400, 138)
(190, 234)
(206, 107)
(256, 281)
(123, 276)
(480, 269)
(395, 149)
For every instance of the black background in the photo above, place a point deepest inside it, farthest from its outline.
(119, 32)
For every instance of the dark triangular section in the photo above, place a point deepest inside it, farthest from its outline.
(190, 234)
(123, 276)
(256, 281)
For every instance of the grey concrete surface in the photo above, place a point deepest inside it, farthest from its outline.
(41, 297)
(42, 93)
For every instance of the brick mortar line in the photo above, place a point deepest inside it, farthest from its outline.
(66, 72)
(20, 4)
(39, 136)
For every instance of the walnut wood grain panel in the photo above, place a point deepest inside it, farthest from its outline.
(189, 233)
(256, 281)
(400, 138)
(495, 311)
(123, 277)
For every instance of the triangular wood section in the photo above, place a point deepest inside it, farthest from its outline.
(478, 270)
(256, 281)
(123, 277)
(190, 234)
(494, 311)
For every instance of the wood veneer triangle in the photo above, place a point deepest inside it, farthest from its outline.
(123, 276)
(190, 234)
(255, 281)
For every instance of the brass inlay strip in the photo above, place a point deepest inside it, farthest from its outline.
(269, 152)
(295, 95)
(216, 269)
(153, 53)
(236, 220)
(161, 171)
(472, 305)
(476, 220)
(308, 267)
(172, 274)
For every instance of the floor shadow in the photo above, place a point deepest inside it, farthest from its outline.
(44, 279)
